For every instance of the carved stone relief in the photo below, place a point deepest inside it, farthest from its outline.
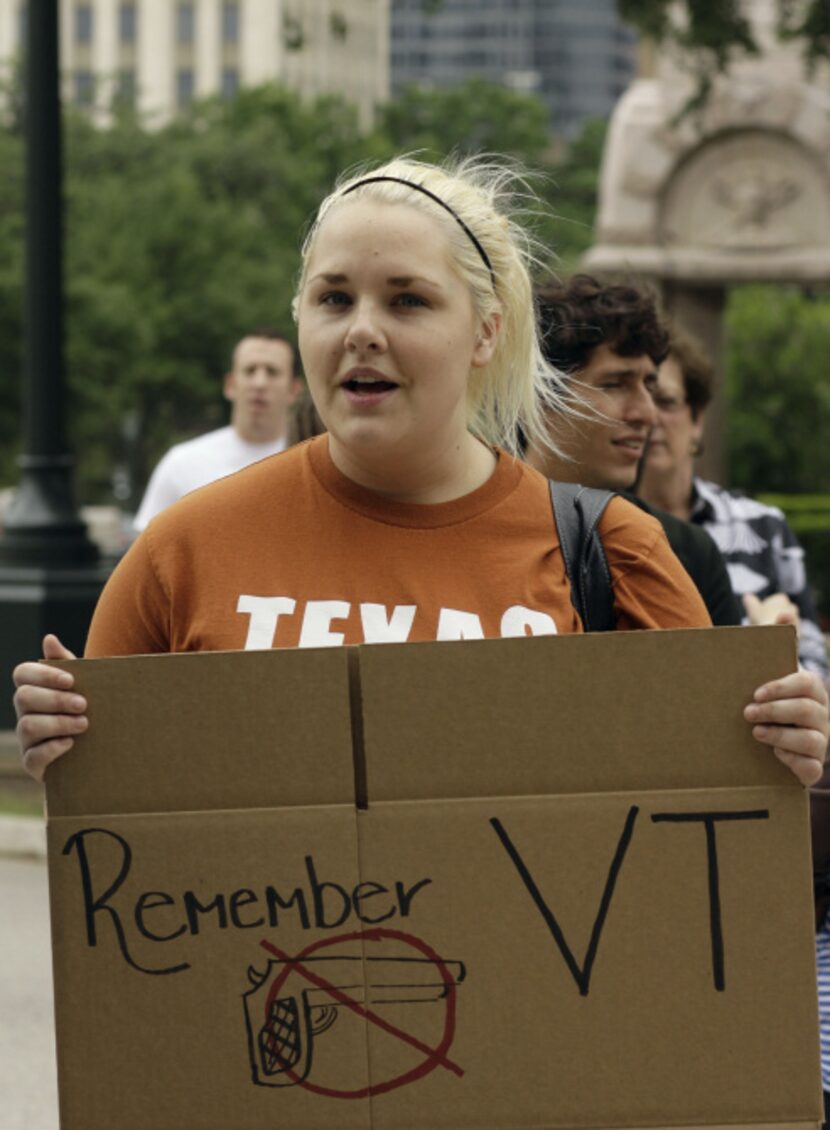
(751, 191)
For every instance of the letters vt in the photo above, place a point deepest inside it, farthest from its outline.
(582, 973)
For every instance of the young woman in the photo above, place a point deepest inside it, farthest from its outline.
(410, 519)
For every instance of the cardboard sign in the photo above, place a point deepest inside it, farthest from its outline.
(547, 883)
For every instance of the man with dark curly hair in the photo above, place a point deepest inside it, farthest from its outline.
(610, 339)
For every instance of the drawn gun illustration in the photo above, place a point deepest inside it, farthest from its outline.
(281, 1038)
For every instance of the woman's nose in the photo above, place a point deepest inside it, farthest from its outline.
(364, 331)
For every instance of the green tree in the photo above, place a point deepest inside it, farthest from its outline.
(721, 28)
(177, 241)
(779, 393)
(480, 117)
(715, 32)
(574, 192)
(474, 117)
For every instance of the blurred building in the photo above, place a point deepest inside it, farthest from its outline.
(576, 54)
(161, 54)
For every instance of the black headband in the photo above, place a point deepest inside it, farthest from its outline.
(438, 200)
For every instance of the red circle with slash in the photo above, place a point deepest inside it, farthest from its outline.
(433, 1057)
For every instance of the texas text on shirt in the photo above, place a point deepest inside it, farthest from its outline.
(291, 553)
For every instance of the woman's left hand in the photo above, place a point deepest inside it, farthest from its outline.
(791, 715)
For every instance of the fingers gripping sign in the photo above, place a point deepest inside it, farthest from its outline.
(791, 716)
(49, 712)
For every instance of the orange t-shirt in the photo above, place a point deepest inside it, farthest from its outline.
(289, 552)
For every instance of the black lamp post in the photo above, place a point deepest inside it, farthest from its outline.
(50, 576)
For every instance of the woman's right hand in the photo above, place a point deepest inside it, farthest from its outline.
(49, 713)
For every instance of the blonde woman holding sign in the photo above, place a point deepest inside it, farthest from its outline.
(411, 518)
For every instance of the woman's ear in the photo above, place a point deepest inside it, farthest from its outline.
(486, 340)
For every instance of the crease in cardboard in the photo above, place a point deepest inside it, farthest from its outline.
(362, 802)
(779, 1125)
(187, 814)
(361, 796)
(361, 870)
(547, 1125)
(499, 798)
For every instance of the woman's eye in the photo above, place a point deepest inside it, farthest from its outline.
(334, 298)
(409, 300)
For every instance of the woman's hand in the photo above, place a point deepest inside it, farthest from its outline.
(49, 713)
(791, 715)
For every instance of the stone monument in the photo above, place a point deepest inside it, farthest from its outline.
(736, 191)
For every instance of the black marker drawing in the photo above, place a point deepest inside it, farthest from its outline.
(580, 973)
(709, 820)
(281, 1032)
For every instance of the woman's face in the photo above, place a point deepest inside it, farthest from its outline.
(388, 336)
(676, 434)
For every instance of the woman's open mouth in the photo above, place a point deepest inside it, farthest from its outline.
(367, 388)
(362, 386)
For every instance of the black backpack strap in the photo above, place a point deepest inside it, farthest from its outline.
(577, 511)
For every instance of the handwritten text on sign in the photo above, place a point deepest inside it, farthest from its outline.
(159, 916)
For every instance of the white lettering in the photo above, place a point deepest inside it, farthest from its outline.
(521, 621)
(456, 625)
(316, 630)
(381, 623)
(378, 628)
(264, 611)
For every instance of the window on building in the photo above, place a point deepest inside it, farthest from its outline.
(184, 88)
(127, 23)
(230, 82)
(230, 21)
(185, 23)
(84, 88)
(83, 23)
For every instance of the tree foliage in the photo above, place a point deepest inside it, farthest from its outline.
(713, 33)
(479, 117)
(717, 30)
(475, 117)
(575, 179)
(779, 394)
(179, 239)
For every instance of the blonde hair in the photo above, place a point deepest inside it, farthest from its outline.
(482, 200)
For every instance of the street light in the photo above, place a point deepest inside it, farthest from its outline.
(50, 575)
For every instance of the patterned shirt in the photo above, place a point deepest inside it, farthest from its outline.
(823, 959)
(763, 557)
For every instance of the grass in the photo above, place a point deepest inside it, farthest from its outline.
(21, 799)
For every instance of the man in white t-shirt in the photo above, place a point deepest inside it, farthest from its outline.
(261, 387)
